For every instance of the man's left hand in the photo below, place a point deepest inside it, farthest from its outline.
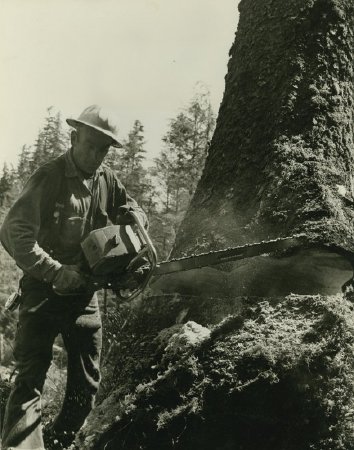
(69, 279)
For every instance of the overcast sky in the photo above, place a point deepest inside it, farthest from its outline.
(142, 58)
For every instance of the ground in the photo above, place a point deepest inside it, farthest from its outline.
(272, 374)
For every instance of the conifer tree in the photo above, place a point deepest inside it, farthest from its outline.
(128, 163)
(24, 164)
(132, 157)
(6, 185)
(51, 140)
(180, 164)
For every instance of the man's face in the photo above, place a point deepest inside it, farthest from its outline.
(89, 148)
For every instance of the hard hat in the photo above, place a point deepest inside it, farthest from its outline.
(95, 117)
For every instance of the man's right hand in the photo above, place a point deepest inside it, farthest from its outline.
(124, 217)
(69, 279)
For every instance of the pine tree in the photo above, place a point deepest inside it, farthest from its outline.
(24, 164)
(133, 155)
(180, 164)
(6, 185)
(128, 163)
(51, 140)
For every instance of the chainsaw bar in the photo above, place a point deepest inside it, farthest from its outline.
(229, 254)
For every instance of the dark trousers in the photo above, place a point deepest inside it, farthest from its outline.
(43, 315)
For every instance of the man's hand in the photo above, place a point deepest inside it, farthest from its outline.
(124, 217)
(69, 279)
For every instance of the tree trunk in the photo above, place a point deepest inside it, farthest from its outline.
(284, 136)
(281, 158)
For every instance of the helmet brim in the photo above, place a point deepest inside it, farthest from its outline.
(75, 123)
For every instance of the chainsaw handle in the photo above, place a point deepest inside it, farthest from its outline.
(146, 238)
(148, 250)
(130, 296)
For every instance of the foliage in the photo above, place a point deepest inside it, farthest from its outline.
(129, 162)
(131, 170)
(5, 387)
(180, 164)
(51, 141)
(9, 276)
(186, 144)
(24, 166)
(7, 188)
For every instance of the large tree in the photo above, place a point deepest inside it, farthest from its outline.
(283, 143)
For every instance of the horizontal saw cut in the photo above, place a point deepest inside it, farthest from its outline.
(124, 259)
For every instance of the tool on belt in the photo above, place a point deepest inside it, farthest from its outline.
(13, 301)
(123, 258)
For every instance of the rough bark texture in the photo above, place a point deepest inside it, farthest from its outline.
(284, 134)
(276, 374)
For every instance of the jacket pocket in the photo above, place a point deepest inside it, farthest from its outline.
(72, 230)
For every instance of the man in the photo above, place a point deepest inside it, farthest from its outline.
(61, 203)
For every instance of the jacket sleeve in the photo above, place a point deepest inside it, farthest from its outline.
(119, 198)
(21, 227)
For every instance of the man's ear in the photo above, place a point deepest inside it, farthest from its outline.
(73, 137)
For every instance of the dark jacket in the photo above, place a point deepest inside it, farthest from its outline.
(56, 210)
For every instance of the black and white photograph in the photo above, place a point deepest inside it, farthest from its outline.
(177, 225)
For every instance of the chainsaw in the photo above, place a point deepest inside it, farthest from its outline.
(124, 259)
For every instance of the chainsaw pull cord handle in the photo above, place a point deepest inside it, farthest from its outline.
(149, 250)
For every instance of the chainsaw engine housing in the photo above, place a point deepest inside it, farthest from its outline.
(109, 250)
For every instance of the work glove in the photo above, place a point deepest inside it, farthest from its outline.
(69, 279)
(124, 217)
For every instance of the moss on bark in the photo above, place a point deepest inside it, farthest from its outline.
(276, 375)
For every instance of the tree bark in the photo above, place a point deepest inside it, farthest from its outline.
(281, 158)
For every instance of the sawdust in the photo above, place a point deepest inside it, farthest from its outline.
(276, 376)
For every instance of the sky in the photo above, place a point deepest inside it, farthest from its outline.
(141, 58)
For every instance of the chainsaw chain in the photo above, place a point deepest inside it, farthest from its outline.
(301, 237)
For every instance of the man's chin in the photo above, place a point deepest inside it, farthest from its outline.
(88, 171)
